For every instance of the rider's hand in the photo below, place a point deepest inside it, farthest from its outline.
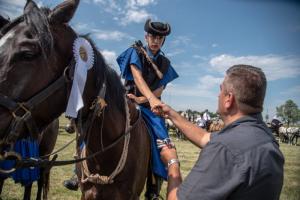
(154, 102)
(135, 98)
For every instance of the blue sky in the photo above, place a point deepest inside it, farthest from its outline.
(208, 36)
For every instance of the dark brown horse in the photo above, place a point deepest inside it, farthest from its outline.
(35, 51)
(46, 140)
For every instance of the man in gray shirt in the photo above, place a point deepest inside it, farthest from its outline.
(242, 161)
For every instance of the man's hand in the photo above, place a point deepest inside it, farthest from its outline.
(154, 102)
(162, 110)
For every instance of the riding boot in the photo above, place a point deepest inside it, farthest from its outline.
(70, 127)
(153, 187)
(72, 183)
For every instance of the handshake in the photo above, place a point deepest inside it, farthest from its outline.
(162, 110)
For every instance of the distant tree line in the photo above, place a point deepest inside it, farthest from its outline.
(289, 112)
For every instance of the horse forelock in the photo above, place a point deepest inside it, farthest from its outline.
(38, 20)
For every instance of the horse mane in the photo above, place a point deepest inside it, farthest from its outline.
(104, 72)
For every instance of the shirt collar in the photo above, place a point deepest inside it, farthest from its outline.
(251, 117)
(151, 55)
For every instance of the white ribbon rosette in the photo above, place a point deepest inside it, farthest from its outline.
(84, 57)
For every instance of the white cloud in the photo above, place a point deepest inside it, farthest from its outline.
(110, 58)
(126, 12)
(12, 8)
(135, 16)
(275, 67)
(204, 58)
(199, 99)
(180, 40)
(102, 34)
(214, 45)
(110, 35)
(81, 27)
(110, 6)
(139, 3)
(175, 52)
(17, 3)
(208, 82)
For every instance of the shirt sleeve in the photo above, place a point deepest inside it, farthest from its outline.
(169, 76)
(214, 176)
(127, 58)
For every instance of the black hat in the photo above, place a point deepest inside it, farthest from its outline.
(157, 28)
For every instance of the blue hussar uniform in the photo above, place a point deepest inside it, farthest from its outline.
(136, 55)
(156, 124)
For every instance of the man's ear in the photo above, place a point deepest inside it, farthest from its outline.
(229, 100)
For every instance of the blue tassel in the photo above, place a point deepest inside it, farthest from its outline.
(27, 148)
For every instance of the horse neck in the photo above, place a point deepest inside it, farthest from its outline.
(112, 122)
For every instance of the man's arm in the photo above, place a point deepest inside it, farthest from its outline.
(194, 133)
(174, 175)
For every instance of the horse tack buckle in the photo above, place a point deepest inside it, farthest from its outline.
(20, 107)
(6, 155)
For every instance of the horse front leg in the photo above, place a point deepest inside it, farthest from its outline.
(1, 185)
(27, 192)
(40, 186)
(43, 184)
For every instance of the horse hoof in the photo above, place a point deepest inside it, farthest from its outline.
(70, 129)
(71, 184)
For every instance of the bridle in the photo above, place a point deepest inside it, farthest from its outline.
(21, 112)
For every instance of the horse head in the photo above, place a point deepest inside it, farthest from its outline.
(35, 49)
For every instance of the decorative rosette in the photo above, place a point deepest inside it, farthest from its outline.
(84, 57)
(83, 52)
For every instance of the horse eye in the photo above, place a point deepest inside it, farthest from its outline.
(25, 55)
(28, 50)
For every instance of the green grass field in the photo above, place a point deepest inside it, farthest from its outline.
(188, 154)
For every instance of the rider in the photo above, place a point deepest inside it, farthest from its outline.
(206, 118)
(147, 71)
(275, 124)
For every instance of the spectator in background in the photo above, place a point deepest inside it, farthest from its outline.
(206, 118)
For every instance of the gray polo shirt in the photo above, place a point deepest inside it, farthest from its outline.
(243, 162)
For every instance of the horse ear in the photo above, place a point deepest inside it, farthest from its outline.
(3, 21)
(64, 12)
(29, 6)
